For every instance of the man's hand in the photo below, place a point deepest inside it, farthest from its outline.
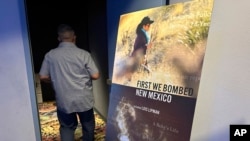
(95, 76)
(45, 78)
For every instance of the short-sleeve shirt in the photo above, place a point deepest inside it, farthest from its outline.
(69, 68)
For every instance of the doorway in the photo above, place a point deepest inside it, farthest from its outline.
(43, 19)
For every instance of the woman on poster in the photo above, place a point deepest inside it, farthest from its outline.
(142, 41)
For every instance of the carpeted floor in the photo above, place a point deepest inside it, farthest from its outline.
(50, 126)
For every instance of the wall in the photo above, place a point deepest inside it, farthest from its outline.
(19, 116)
(97, 41)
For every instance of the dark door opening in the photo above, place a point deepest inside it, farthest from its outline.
(43, 19)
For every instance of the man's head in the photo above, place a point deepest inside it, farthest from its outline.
(66, 33)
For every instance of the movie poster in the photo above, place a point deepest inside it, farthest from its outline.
(157, 69)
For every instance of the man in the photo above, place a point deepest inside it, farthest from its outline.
(71, 71)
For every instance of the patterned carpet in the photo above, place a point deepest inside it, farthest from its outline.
(50, 126)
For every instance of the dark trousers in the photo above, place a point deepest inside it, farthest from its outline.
(69, 122)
